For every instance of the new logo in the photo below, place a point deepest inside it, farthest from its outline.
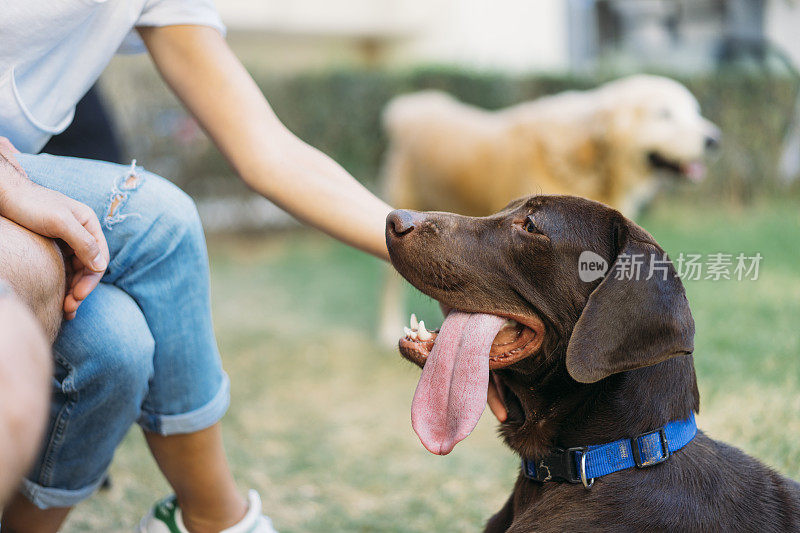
(591, 266)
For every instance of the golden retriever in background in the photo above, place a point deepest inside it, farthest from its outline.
(613, 144)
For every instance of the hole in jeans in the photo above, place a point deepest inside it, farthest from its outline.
(118, 198)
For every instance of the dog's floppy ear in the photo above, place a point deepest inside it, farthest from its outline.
(631, 321)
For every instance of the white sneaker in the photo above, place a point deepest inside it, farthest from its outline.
(166, 517)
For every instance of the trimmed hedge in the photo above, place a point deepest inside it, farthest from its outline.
(339, 112)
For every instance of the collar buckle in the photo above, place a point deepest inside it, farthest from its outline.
(571, 471)
(647, 451)
(560, 465)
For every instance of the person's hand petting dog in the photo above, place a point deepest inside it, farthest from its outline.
(51, 214)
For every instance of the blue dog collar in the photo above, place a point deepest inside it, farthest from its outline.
(584, 464)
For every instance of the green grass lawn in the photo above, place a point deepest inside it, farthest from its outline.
(320, 416)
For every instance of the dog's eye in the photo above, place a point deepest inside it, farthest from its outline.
(529, 225)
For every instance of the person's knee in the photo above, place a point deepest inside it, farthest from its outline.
(171, 220)
(109, 372)
(127, 367)
(184, 218)
(109, 347)
(34, 268)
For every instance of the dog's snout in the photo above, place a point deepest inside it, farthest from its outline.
(402, 222)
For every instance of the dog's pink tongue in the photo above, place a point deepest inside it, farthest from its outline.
(695, 171)
(451, 393)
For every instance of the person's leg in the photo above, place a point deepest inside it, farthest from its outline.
(103, 363)
(158, 257)
(32, 265)
(22, 516)
(192, 463)
(31, 290)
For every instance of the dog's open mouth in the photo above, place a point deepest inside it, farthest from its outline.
(512, 343)
(456, 360)
(694, 170)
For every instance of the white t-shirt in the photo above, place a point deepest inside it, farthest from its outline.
(52, 51)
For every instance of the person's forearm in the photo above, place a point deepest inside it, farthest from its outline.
(318, 191)
(216, 88)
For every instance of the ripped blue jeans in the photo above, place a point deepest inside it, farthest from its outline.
(142, 347)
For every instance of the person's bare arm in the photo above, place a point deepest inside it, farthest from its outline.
(24, 390)
(205, 74)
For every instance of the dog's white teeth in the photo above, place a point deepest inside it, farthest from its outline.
(424, 334)
(414, 323)
(407, 331)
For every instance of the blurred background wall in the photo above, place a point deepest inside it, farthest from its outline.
(329, 66)
(508, 34)
(518, 35)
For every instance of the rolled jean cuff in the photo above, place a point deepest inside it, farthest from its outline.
(47, 497)
(195, 420)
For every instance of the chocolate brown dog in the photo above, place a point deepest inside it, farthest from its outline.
(579, 364)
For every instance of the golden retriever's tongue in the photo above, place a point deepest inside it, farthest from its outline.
(451, 393)
(695, 171)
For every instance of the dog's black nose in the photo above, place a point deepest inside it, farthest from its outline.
(402, 222)
(713, 137)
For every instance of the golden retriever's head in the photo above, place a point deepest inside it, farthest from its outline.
(657, 121)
